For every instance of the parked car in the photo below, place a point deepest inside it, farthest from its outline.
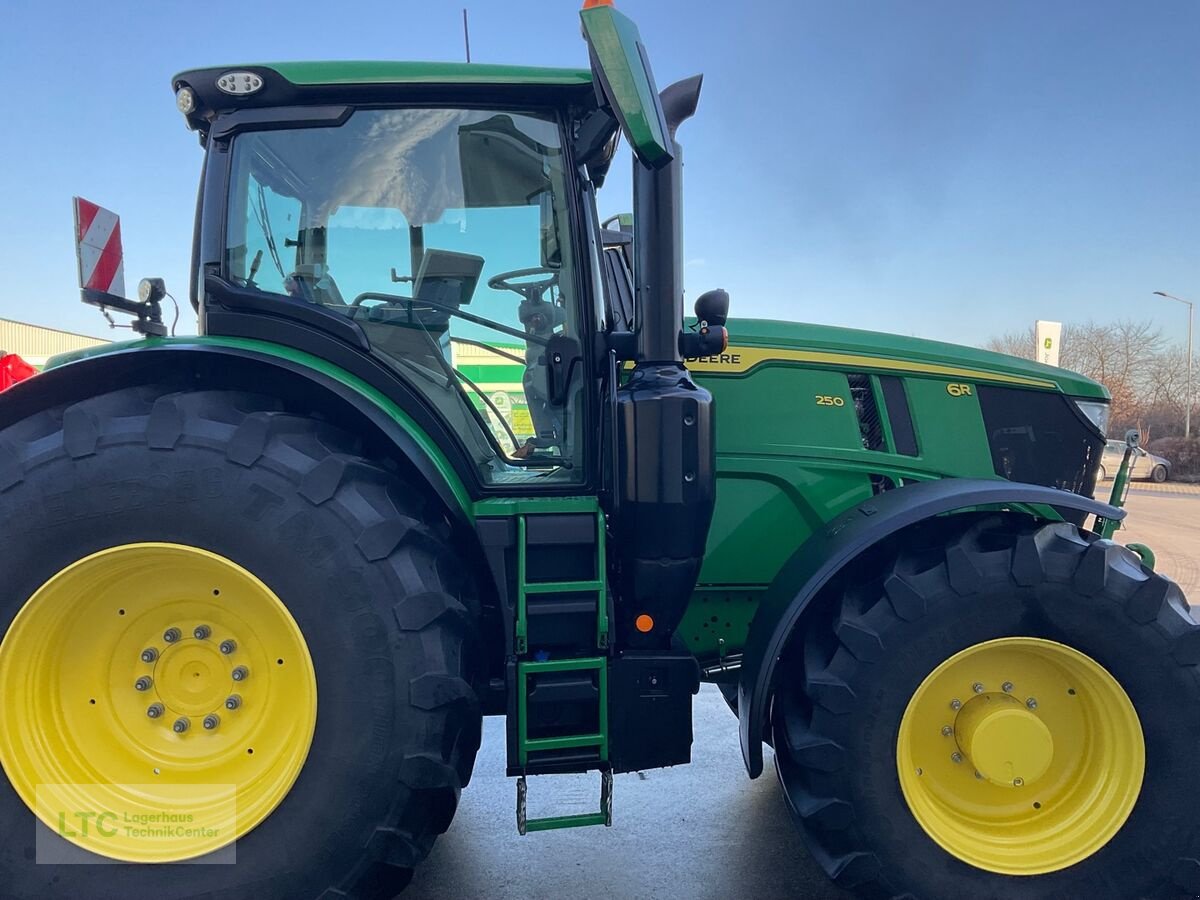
(1144, 465)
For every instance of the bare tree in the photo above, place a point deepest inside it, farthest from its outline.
(1112, 353)
(1014, 343)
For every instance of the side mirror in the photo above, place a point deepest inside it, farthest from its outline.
(623, 75)
(712, 307)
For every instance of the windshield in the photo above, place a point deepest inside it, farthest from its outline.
(442, 233)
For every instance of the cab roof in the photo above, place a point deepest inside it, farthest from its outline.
(347, 72)
(354, 82)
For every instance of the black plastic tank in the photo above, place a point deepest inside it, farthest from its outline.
(665, 492)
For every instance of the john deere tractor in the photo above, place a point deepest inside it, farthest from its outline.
(447, 447)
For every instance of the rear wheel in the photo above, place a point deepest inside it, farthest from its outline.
(1003, 701)
(210, 598)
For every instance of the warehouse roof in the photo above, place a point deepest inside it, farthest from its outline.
(36, 343)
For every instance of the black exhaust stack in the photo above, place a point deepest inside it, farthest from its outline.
(658, 220)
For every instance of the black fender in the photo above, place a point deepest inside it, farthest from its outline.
(345, 400)
(830, 550)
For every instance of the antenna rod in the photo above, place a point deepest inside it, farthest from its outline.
(466, 34)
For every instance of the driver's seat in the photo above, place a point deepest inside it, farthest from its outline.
(315, 284)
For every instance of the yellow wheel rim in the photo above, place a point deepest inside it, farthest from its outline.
(161, 687)
(1020, 756)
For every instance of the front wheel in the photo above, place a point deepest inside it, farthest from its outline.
(1158, 474)
(227, 635)
(998, 700)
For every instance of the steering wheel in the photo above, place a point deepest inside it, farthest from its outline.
(530, 290)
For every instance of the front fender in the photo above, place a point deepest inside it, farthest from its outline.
(828, 551)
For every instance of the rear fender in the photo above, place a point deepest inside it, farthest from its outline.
(210, 363)
(831, 550)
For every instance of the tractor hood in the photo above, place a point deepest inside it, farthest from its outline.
(754, 342)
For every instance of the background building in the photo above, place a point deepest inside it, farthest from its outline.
(35, 344)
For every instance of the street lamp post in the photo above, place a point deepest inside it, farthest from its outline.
(1187, 416)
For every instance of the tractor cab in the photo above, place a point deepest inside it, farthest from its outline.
(440, 239)
(438, 222)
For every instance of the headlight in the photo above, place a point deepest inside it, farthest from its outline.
(185, 100)
(1097, 413)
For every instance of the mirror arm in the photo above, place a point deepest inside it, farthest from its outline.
(593, 136)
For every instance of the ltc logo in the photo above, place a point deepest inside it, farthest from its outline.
(88, 823)
(958, 390)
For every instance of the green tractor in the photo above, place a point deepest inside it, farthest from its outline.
(447, 447)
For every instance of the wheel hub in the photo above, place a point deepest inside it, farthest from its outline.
(1003, 740)
(1035, 771)
(193, 679)
(155, 680)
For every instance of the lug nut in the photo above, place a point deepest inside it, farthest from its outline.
(202, 632)
(956, 757)
(149, 655)
(171, 635)
(1007, 687)
(143, 684)
(181, 725)
(211, 722)
(227, 647)
(155, 711)
(947, 731)
(977, 688)
(233, 702)
(1018, 782)
(1031, 703)
(241, 673)
(956, 704)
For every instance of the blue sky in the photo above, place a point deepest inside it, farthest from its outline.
(946, 169)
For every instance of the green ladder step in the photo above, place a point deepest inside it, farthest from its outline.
(595, 586)
(526, 744)
(580, 820)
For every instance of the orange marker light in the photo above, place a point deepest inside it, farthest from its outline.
(644, 623)
(588, 4)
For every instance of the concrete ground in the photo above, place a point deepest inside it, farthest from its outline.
(1166, 518)
(698, 831)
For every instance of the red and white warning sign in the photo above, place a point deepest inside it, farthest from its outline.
(98, 247)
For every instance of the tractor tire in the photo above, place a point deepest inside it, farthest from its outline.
(1158, 474)
(986, 585)
(355, 553)
(729, 692)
